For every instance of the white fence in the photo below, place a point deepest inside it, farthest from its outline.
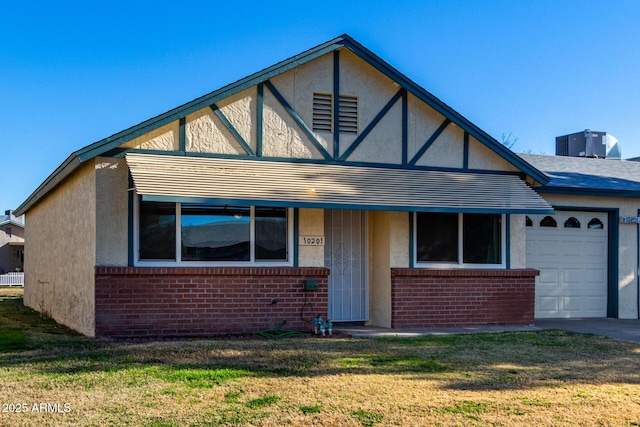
(12, 279)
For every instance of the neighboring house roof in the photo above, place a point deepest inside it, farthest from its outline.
(105, 145)
(17, 224)
(579, 175)
(6, 219)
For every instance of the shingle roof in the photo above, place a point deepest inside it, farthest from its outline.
(587, 175)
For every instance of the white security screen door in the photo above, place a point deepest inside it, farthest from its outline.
(345, 254)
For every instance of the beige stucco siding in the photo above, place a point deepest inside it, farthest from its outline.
(373, 90)
(481, 157)
(422, 122)
(627, 246)
(60, 248)
(399, 239)
(298, 86)
(379, 268)
(311, 223)
(384, 142)
(112, 204)
(447, 150)
(240, 109)
(517, 239)
(282, 137)
(205, 132)
(164, 138)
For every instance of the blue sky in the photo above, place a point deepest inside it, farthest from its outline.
(74, 72)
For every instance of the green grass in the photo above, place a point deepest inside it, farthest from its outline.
(11, 339)
(466, 407)
(366, 418)
(263, 401)
(196, 377)
(232, 396)
(310, 409)
(409, 363)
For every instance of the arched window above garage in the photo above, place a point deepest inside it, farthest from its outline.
(572, 222)
(595, 224)
(548, 221)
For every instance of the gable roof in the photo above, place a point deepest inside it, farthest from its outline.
(344, 41)
(579, 175)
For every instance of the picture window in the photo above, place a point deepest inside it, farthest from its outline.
(197, 233)
(459, 239)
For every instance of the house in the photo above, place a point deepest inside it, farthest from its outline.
(11, 243)
(328, 184)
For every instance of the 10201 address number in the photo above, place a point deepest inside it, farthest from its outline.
(311, 241)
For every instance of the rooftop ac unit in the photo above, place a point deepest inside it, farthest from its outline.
(588, 144)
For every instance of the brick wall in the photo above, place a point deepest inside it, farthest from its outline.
(134, 301)
(453, 298)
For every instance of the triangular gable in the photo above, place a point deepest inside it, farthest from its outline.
(170, 125)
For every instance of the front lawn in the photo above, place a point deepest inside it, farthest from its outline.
(51, 376)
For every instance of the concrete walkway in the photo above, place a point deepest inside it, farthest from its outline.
(377, 332)
(622, 329)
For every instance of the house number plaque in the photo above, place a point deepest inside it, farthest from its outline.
(311, 241)
(629, 220)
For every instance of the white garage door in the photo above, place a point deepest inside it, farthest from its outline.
(570, 250)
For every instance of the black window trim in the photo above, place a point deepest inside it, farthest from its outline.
(178, 262)
(460, 264)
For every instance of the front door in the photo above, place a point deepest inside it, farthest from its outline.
(345, 255)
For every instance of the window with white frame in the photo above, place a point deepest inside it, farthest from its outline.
(188, 234)
(459, 239)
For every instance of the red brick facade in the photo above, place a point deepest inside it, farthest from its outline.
(166, 301)
(426, 298)
(134, 301)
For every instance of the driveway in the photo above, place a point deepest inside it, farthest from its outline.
(621, 329)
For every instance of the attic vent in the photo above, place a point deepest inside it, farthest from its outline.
(322, 112)
(348, 113)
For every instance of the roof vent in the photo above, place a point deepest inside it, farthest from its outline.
(323, 113)
(348, 113)
(322, 103)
